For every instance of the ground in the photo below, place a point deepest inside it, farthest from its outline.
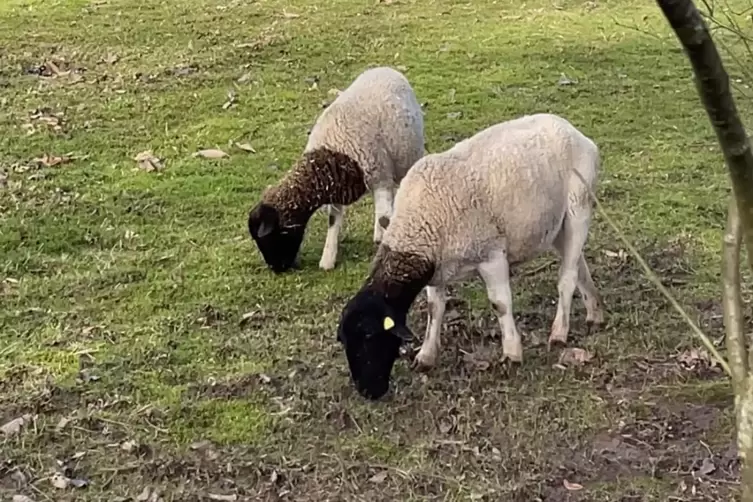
(147, 354)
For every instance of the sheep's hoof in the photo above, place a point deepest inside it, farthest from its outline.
(327, 265)
(556, 340)
(592, 325)
(423, 363)
(512, 350)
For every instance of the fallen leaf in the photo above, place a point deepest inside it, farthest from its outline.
(621, 254)
(244, 78)
(707, 467)
(290, 15)
(334, 92)
(230, 100)
(264, 378)
(211, 153)
(148, 162)
(564, 80)
(247, 317)
(52, 160)
(201, 445)
(574, 356)
(128, 445)
(479, 360)
(245, 147)
(14, 426)
(18, 477)
(46, 117)
(110, 59)
(79, 483)
(59, 481)
(144, 495)
(379, 477)
(454, 115)
(21, 498)
(571, 486)
(223, 498)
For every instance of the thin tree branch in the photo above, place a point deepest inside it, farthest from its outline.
(733, 320)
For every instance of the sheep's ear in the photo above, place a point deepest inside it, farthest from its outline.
(265, 228)
(269, 221)
(402, 332)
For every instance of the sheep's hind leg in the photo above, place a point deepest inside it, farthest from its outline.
(574, 272)
(429, 353)
(496, 275)
(329, 254)
(383, 199)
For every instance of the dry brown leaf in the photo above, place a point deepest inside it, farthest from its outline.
(230, 100)
(693, 357)
(14, 426)
(707, 467)
(245, 147)
(620, 254)
(378, 477)
(571, 486)
(144, 495)
(222, 498)
(46, 117)
(574, 356)
(59, 481)
(62, 423)
(211, 153)
(79, 483)
(52, 160)
(148, 162)
(110, 58)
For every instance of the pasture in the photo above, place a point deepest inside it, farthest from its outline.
(156, 358)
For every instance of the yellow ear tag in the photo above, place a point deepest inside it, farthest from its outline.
(388, 323)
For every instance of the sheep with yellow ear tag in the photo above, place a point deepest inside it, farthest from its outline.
(503, 196)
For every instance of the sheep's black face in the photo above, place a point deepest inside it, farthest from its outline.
(371, 333)
(278, 245)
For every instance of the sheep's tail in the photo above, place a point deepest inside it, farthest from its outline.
(584, 182)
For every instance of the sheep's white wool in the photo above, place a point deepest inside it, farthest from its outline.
(498, 198)
(378, 122)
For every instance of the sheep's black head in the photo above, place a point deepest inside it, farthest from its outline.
(279, 245)
(371, 333)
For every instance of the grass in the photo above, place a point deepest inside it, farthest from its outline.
(123, 292)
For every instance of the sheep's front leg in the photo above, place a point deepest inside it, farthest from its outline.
(329, 254)
(429, 353)
(383, 198)
(495, 273)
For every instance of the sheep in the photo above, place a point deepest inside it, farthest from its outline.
(365, 140)
(494, 200)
